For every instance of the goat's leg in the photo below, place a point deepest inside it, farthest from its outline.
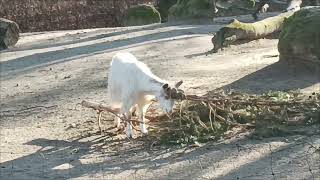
(117, 119)
(126, 110)
(129, 130)
(142, 111)
(117, 122)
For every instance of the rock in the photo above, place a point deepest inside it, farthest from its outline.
(73, 125)
(191, 9)
(299, 39)
(194, 9)
(141, 15)
(234, 7)
(9, 33)
(163, 8)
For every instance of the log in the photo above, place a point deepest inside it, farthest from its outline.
(9, 33)
(237, 30)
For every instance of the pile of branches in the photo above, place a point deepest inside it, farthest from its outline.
(223, 115)
(219, 115)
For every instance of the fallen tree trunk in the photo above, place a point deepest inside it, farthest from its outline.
(237, 30)
(9, 33)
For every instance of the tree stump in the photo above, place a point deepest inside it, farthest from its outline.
(9, 33)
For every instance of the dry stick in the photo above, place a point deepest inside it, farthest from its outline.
(217, 115)
(223, 119)
(102, 107)
(180, 113)
(202, 124)
(214, 115)
(114, 111)
(99, 120)
(210, 112)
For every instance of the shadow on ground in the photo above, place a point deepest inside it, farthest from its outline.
(93, 35)
(71, 159)
(59, 56)
(277, 76)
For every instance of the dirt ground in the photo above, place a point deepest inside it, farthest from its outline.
(46, 134)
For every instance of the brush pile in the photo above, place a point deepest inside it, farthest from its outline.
(220, 115)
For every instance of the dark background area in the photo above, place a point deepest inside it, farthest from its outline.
(49, 15)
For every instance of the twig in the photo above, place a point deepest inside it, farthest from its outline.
(102, 107)
(221, 118)
(210, 111)
(99, 121)
(202, 124)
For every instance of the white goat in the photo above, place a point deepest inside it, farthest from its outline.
(132, 84)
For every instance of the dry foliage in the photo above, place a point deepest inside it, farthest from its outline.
(224, 115)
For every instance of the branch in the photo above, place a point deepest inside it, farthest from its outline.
(102, 107)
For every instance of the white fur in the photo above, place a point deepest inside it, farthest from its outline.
(264, 8)
(294, 5)
(131, 83)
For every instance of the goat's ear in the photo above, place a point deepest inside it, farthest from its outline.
(178, 84)
(165, 86)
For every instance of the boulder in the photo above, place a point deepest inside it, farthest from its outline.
(299, 39)
(9, 33)
(194, 9)
(163, 8)
(141, 15)
(191, 9)
(234, 7)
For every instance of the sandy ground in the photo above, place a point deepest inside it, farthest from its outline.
(46, 134)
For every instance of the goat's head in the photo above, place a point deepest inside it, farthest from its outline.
(169, 94)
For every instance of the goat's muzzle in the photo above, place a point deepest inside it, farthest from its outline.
(177, 94)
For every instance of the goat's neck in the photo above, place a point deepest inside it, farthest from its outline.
(153, 86)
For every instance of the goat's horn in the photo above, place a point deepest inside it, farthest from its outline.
(165, 86)
(178, 84)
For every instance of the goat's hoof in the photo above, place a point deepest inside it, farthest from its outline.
(144, 131)
(130, 136)
(118, 128)
(117, 125)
